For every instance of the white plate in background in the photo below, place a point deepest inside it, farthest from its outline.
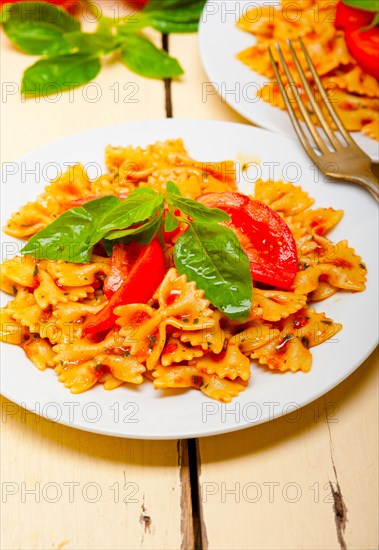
(220, 41)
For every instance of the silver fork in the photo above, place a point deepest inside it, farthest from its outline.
(343, 161)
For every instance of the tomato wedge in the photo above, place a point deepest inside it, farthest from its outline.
(364, 47)
(264, 236)
(122, 260)
(137, 287)
(348, 17)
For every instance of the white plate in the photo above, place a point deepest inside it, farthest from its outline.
(220, 41)
(141, 412)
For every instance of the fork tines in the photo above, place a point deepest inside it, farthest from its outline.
(320, 142)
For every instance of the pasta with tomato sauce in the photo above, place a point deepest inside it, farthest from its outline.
(74, 317)
(353, 92)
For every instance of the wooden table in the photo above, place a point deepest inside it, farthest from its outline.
(308, 482)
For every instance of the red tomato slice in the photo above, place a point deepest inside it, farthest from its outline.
(137, 287)
(264, 236)
(122, 260)
(364, 47)
(348, 17)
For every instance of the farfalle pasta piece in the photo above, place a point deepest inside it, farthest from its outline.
(231, 363)
(30, 316)
(180, 298)
(25, 310)
(283, 197)
(12, 331)
(208, 333)
(82, 350)
(273, 305)
(40, 352)
(7, 286)
(30, 219)
(176, 351)
(184, 376)
(255, 335)
(73, 275)
(322, 292)
(20, 270)
(139, 328)
(110, 382)
(223, 390)
(75, 311)
(48, 293)
(290, 349)
(257, 20)
(79, 377)
(123, 367)
(319, 221)
(354, 80)
(340, 267)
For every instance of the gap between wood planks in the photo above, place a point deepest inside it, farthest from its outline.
(192, 525)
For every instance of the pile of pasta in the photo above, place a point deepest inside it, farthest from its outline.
(128, 168)
(178, 339)
(354, 93)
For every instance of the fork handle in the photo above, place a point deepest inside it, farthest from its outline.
(369, 181)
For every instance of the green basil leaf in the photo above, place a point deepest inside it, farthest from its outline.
(71, 236)
(171, 222)
(366, 5)
(172, 188)
(143, 234)
(158, 5)
(106, 25)
(54, 74)
(64, 239)
(166, 27)
(175, 16)
(211, 256)
(141, 56)
(91, 42)
(135, 23)
(196, 210)
(100, 210)
(144, 191)
(37, 27)
(137, 208)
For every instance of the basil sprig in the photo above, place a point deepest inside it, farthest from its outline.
(207, 252)
(73, 58)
